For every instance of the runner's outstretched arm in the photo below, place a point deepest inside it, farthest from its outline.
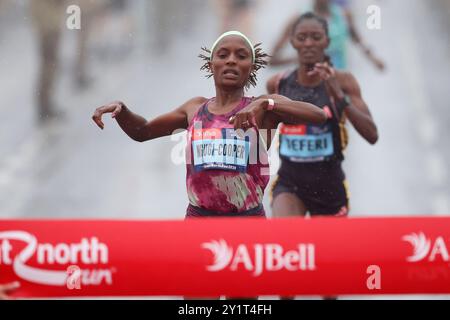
(340, 84)
(296, 112)
(358, 112)
(357, 39)
(285, 110)
(283, 40)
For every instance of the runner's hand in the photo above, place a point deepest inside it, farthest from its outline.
(379, 64)
(328, 74)
(324, 70)
(6, 288)
(249, 116)
(114, 108)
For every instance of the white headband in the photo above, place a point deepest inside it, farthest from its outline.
(234, 33)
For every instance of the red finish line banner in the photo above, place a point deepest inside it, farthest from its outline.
(233, 257)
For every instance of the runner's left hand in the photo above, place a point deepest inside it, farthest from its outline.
(324, 70)
(250, 116)
(328, 74)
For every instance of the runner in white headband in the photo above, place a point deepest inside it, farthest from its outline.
(234, 33)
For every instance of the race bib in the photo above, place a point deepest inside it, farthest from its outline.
(306, 143)
(220, 149)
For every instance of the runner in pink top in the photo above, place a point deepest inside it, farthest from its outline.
(225, 173)
(227, 168)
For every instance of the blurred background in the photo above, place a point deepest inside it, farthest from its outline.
(55, 163)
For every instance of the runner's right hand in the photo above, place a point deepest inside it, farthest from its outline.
(328, 74)
(114, 108)
(379, 64)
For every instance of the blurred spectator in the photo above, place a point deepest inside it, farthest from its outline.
(89, 10)
(164, 19)
(347, 12)
(112, 28)
(2, 5)
(171, 19)
(341, 29)
(48, 19)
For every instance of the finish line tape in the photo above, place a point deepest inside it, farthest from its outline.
(231, 257)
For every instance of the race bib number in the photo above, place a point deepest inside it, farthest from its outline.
(306, 144)
(220, 149)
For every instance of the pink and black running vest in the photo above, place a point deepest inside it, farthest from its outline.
(227, 173)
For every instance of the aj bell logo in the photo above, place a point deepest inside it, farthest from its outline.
(425, 248)
(261, 257)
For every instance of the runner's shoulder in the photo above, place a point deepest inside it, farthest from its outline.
(193, 104)
(191, 107)
(346, 79)
(274, 81)
(271, 83)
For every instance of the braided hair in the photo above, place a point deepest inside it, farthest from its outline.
(261, 61)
